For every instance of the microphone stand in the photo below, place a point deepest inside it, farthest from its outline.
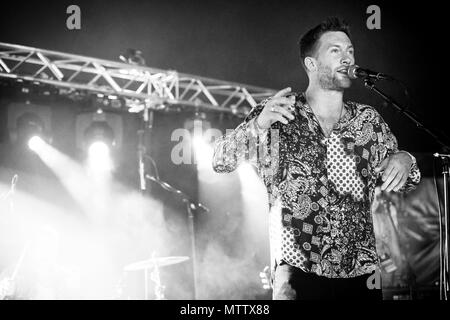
(443, 221)
(443, 230)
(191, 206)
(144, 133)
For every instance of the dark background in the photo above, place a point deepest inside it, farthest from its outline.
(250, 42)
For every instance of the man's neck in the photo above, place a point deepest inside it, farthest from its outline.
(324, 103)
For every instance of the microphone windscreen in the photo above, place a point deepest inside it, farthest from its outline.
(352, 71)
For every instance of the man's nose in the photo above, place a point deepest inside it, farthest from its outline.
(346, 60)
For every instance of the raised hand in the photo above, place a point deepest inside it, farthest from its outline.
(277, 109)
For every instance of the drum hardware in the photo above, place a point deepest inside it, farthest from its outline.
(153, 264)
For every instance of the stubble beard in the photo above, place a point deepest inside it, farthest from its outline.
(328, 80)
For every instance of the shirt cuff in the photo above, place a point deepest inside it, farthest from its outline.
(411, 156)
(256, 130)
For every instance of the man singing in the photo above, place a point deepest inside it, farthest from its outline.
(325, 157)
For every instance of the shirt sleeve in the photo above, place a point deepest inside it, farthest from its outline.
(244, 143)
(390, 148)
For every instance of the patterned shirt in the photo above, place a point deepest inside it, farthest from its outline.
(320, 188)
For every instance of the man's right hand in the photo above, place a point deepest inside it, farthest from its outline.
(277, 109)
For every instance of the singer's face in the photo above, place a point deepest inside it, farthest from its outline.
(334, 54)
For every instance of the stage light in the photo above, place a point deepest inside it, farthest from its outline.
(36, 143)
(99, 157)
(30, 126)
(203, 151)
(98, 149)
(99, 131)
(201, 134)
(99, 139)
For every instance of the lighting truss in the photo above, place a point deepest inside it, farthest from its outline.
(145, 85)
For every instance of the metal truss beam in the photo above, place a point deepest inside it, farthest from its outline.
(140, 84)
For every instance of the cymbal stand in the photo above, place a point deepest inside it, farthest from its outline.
(159, 288)
(191, 206)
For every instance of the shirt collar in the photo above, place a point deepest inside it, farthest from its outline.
(350, 107)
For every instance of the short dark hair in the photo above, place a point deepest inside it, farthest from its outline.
(308, 42)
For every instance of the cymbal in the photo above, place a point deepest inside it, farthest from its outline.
(150, 263)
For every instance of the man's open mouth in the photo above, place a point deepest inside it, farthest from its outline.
(343, 70)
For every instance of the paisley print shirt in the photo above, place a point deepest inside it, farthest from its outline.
(320, 188)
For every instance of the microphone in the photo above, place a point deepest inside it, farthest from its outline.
(441, 155)
(355, 72)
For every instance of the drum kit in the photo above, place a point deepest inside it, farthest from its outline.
(151, 272)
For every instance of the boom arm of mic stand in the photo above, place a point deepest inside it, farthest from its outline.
(192, 204)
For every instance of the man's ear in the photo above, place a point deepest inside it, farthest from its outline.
(310, 64)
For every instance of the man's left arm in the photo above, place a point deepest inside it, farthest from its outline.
(399, 169)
